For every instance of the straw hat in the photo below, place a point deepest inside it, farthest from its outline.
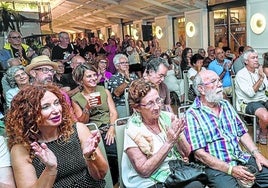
(40, 61)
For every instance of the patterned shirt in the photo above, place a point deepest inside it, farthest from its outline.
(116, 80)
(217, 135)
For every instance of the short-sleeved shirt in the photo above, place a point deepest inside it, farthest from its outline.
(116, 80)
(4, 153)
(135, 125)
(217, 135)
(216, 67)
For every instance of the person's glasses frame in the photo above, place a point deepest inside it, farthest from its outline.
(213, 81)
(159, 101)
(15, 37)
(45, 70)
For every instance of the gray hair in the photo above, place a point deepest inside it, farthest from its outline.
(117, 57)
(10, 75)
(154, 63)
(10, 61)
(247, 53)
(196, 82)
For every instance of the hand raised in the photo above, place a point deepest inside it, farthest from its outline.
(91, 143)
(176, 128)
(45, 154)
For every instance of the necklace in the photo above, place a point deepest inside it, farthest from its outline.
(160, 138)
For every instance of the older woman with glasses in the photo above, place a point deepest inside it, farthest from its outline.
(95, 104)
(17, 79)
(152, 139)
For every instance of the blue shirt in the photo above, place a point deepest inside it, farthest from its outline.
(218, 68)
(217, 135)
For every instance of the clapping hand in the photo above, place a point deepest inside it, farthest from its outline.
(176, 128)
(45, 155)
(91, 143)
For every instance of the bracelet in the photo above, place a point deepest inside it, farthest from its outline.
(254, 151)
(230, 169)
(111, 125)
(92, 157)
(86, 111)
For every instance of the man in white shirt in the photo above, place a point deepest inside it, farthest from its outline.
(251, 84)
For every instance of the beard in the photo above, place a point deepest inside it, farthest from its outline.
(214, 96)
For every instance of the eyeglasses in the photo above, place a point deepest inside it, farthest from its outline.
(213, 81)
(159, 101)
(15, 37)
(17, 76)
(45, 70)
(103, 61)
(123, 63)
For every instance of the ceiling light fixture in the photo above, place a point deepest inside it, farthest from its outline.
(257, 23)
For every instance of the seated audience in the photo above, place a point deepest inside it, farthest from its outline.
(155, 72)
(101, 63)
(100, 111)
(239, 62)
(210, 57)
(6, 177)
(67, 79)
(172, 82)
(11, 63)
(197, 66)
(119, 82)
(222, 67)
(251, 84)
(152, 138)
(17, 79)
(58, 76)
(47, 148)
(216, 134)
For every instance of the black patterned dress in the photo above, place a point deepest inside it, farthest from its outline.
(72, 168)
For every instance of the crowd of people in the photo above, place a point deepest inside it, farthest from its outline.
(51, 94)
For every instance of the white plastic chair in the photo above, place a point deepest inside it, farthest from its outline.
(108, 177)
(120, 125)
(254, 118)
(126, 102)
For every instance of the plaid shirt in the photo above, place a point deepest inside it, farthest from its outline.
(217, 135)
(116, 80)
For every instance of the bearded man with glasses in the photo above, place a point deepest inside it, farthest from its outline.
(14, 48)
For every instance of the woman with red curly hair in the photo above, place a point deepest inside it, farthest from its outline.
(47, 148)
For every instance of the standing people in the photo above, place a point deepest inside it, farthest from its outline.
(111, 50)
(215, 133)
(64, 51)
(39, 142)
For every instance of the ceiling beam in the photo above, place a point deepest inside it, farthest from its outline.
(140, 10)
(162, 5)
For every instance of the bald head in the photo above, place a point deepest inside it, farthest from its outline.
(77, 60)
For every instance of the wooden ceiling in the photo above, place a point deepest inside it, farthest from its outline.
(78, 15)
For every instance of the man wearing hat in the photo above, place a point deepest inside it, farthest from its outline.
(41, 69)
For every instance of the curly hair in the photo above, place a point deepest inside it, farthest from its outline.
(138, 89)
(24, 117)
(11, 75)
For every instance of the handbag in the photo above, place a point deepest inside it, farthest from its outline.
(183, 173)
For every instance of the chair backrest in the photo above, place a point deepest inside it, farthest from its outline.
(182, 110)
(120, 125)
(108, 177)
(126, 102)
(186, 87)
(233, 91)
